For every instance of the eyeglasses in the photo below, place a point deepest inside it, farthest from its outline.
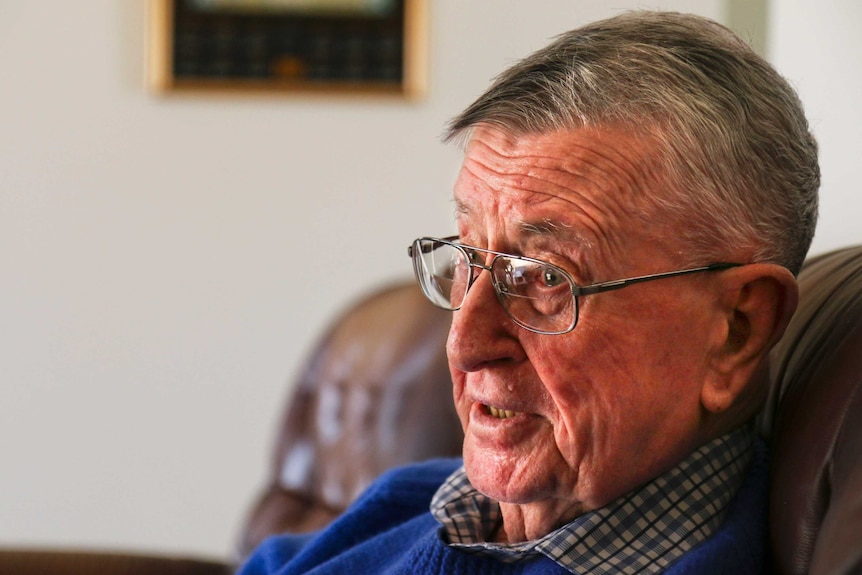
(537, 295)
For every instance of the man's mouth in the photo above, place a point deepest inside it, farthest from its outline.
(500, 413)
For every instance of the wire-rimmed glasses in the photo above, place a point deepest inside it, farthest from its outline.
(538, 296)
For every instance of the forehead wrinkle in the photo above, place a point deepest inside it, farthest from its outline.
(612, 176)
(611, 187)
(567, 167)
(587, 242)
(591, 225)
(581, 249)
(627, 163)
(602, 185)
(567, 151)
(540, 186)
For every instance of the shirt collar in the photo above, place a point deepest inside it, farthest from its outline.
(641, 532)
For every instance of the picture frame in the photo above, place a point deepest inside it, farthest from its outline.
(372, 47)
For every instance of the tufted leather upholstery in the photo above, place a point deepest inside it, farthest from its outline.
(376, 393)
(814, 419)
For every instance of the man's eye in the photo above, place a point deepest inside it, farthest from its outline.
(475, 257)
(552, 277)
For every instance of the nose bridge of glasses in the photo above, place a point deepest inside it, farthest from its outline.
(497, 268)
(476, 263)
(481, 266)
(476, 270)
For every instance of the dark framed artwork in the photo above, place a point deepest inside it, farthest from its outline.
(347, 46)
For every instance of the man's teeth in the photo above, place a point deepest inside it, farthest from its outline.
(501, 413)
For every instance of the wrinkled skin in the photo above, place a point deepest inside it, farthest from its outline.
(618, 400)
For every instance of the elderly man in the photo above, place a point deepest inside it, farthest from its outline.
(607, 430)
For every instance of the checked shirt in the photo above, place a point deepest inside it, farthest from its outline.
(641, 532)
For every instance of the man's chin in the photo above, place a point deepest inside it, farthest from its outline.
(505, 480)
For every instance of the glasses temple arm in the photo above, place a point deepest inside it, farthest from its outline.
(619, 284)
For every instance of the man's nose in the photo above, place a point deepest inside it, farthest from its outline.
(481, 331)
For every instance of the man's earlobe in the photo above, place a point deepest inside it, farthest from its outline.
(759, 300)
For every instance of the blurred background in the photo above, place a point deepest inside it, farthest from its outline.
(167, 261)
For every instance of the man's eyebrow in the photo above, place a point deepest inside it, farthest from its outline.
(461, 207)
(554, 229)
(546, 227)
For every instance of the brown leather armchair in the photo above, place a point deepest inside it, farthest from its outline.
(813, 418)
(375, 393)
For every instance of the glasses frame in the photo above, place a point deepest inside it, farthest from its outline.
(577, 290)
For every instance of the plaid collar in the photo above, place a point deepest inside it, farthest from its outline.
(641, 532)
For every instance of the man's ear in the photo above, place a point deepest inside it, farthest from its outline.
(758, 302)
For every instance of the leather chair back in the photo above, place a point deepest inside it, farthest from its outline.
(813, 417)
(376, 393)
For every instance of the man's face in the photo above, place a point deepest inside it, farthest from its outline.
(571, 421)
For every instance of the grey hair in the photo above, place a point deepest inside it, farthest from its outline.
(740, 162)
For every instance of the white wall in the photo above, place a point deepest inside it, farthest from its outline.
(166, 262)
(818, 47)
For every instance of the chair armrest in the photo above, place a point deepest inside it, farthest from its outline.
(37, 561)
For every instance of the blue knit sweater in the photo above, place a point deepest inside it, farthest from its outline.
(390, 530)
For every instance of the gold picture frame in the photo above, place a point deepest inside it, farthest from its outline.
(289, 46)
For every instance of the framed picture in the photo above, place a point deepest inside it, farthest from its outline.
(333, 46)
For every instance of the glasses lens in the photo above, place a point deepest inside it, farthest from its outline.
(536, 295)
(442, 271)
